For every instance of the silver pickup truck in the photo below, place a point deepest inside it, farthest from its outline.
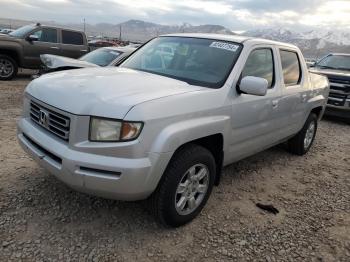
(162, 125)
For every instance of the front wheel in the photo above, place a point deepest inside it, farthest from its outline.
(185, 186)
(8, 67)
(300, 144)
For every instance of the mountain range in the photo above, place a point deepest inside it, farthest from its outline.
(314, 43)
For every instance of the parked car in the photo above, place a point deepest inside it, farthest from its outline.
(23, 47)
(105, 56)
(6, 31)
(147, 130)
(98, 43)
(337, 68)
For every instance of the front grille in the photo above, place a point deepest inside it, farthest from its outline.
(337, 99)
(340, 87)
(339, 84)
(52, 121)
(339, 80)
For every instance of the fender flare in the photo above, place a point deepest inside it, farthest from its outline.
(180, 133)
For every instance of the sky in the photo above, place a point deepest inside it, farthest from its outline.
(237, 15)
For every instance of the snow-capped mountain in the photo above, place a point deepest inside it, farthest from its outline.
(314, 43)
(336, 37)
(141, 30)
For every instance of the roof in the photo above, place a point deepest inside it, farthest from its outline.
(232, 38)
(57, 27)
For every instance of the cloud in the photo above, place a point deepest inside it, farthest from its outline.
(300, 6)
(234, 14)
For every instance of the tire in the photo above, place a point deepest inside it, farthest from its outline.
(8, 67)
(302, 141)
(168, 194)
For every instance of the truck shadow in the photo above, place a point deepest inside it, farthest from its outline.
(337, 120)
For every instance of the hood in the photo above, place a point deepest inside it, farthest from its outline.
(6, 37)
(55, 61)
(106, 92)
(330, 72)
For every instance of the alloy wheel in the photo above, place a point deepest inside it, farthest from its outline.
(6, 68)
(309, 135)
(192, 189)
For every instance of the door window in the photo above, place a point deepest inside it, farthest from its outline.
(290, 67)
(72, 38)
(260, 64)
(48, 35)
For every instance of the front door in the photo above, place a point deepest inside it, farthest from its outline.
(47, 44)
(255, 119)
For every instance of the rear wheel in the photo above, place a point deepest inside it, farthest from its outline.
(185, 186)
(301, 142)
(8, 67)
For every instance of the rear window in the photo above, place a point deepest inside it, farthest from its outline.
(101, 56)
(72, 38)
(290, 67)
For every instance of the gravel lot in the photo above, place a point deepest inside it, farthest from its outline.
(41, 219)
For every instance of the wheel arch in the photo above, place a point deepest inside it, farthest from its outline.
(11, 53)
(318, 111)
(215, 145)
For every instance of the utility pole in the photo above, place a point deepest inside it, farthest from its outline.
(120, 32)
(84, 25)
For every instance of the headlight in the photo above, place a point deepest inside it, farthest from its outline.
(107, 130)
(46, 61)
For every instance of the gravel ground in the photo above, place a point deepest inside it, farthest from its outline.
(41, 219)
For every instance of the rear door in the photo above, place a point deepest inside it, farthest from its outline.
(256, 119)
(47, 44)
(293, 104)
(73, 44)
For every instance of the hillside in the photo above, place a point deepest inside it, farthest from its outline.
(315, 43)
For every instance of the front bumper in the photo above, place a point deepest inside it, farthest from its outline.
(338, 111)
(106, 176)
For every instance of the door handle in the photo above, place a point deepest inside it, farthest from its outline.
(54, 47)
(274, 103)
(83, 50)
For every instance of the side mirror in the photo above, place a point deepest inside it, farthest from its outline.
(32, 38)
(252, 85)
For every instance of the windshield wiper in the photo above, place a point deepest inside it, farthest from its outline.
(334, 68)
(344, 68)
(327, 67)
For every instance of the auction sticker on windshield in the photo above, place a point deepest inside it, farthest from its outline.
(226, 46)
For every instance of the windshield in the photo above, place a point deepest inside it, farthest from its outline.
(204, 62)
(22, 31)
(101, 57)
(340, 62)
